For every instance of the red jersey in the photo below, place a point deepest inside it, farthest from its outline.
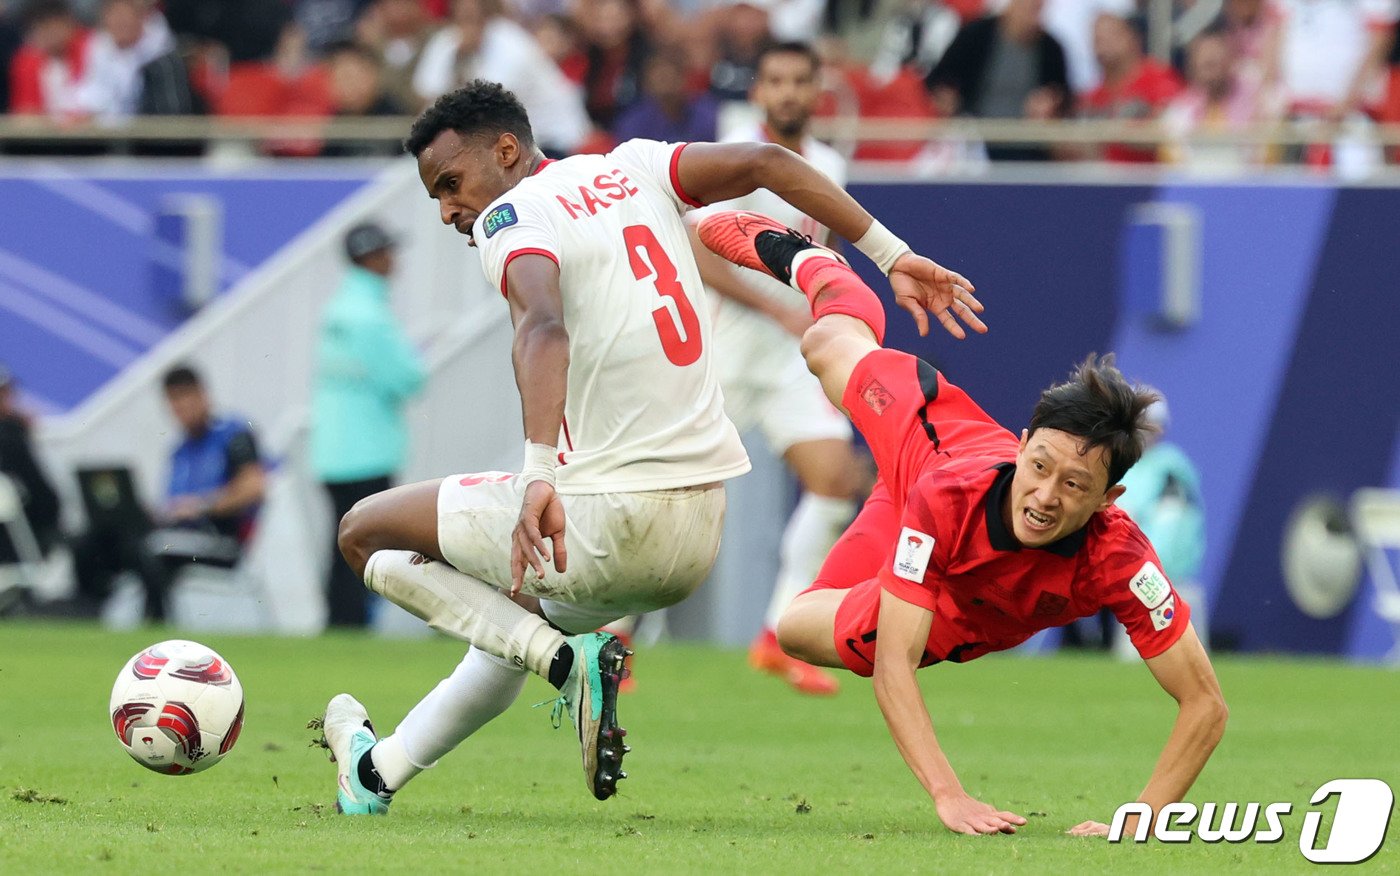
(1142, 95)
(956, 557)
(933, 534)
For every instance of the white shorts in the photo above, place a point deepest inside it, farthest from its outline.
(766, 383)
(628, 553)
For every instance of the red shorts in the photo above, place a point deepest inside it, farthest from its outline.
(911, 417)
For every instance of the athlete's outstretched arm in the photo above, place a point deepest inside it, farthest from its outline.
(713, 172)
(1185, 672)
(903, 633)
(541, 357)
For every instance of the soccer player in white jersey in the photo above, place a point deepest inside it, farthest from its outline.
(619, 505)
(765, 380)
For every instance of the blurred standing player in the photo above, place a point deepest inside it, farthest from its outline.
(973, 541)
(619, 505)
(766, 384)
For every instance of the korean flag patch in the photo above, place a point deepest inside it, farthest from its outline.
(912, 554)
(501, 217)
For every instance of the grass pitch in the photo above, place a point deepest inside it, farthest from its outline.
(731, 772)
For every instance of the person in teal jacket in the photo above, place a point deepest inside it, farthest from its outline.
(366, 371)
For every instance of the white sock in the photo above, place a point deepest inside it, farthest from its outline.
(465, 608)
(813, 528)
(480, 688)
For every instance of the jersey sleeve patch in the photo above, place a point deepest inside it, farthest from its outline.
(912, 554)
(1150, 586)
(503, 216)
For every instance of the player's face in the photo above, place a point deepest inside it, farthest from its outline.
(785, 88)
(189, 405)
(465, 174)
(1057, 487)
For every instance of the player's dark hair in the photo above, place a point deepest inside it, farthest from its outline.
(181, 377)
(792, 47)
(477, 109)
(1098, 405)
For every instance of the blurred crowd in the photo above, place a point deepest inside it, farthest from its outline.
(593, 72)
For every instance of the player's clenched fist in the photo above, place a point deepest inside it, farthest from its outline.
(541, 517)
(964, 814)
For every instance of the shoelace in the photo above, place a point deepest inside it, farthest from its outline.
(561, 707)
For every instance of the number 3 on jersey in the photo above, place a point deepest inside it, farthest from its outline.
(682, 343)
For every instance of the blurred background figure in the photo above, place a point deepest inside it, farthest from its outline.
(915, 37)
(366, 370)
(610, 62)
(357, 90)
(741, 35)
(45, 73)
(1003, 67)
(1216, 99)
(1133, 87)
(130, 36)
(1163, 497)
(216, 486)
(37, 497)
(397, 30)
(480, 42)
(1071, 23)
(327, 23)
(667, 111)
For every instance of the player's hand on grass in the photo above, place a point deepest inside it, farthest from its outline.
(922, 286)
(1089, 828)
(541, 517)
(965, 814)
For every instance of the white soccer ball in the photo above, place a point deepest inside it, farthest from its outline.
(177, 707)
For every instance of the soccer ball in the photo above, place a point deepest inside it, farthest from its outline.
(177, 707)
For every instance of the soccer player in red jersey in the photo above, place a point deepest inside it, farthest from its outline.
(973, 540)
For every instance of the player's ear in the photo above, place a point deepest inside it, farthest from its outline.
(1025, 437)
(508, 150)
(1111, 496)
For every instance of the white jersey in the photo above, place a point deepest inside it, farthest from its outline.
(644, 410)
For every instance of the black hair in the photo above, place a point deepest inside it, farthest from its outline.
(181, 377)
(1099, 406)
(39, 11)
(479, 108)
(793, 47)
(358, 50)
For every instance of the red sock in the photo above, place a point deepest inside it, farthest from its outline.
(832, 287)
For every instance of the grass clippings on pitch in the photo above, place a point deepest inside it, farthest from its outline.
(731, 771)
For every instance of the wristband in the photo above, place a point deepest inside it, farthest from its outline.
(881, 246)
(540, 462)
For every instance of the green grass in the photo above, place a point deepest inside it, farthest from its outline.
(731, 772)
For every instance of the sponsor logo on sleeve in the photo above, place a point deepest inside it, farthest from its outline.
(501, 217)
(874, 394)
(912, 554)
(1151, 588)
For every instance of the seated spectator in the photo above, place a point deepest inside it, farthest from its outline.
(666, 111)
(1071, 23)
(357, 90)
(216, 487)
(609, 65)
(326, 23)
(1252, 28)
(241, 30)
(915, 37)
(130, 36)
(19, 464)
(1330, 54)
(1216, 99)
(1134, 86)
(45, 73)
(1003, 67)
(479, 42)
(742, 33)
(397, 30)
